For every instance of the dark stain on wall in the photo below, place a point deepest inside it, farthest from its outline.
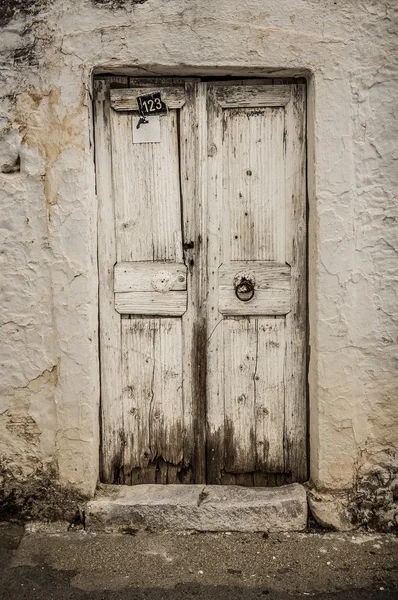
(25, 56)
(118, 4)
(374, 498)
(38, 497)
(14, 8)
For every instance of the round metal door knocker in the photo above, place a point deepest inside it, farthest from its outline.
(244, 287)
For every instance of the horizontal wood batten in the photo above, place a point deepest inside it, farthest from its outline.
(255, 96)
(148, 276)
(172, 304)
(272, 289)
(126, 98)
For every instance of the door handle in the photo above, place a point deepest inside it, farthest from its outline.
(244, 288)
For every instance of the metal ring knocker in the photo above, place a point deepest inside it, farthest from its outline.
(244, 289)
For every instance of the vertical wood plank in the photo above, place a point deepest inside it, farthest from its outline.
(253, 172)
(269, 381)
(192, 127)
(147, 192)
(260, 479)
(296, 320)
(215, 369)
(152, 389)
(112, 440)
(166, 411)
(245, 479)
(240, 367)
(138, 374)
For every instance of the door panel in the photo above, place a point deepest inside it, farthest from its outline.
(152, 391)
(146, 180)
(147, 386)
(256, 393)
(202, 259)
(253, 139)
(254, 357)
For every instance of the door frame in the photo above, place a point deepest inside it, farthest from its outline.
(201, 335)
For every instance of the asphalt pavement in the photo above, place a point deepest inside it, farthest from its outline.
(52, 563)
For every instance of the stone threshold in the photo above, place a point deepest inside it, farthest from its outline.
(118, 508)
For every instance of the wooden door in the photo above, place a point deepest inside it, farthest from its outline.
(197, 382)
(256, 371)
(148, 217)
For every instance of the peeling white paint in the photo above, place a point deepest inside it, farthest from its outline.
(48, 216)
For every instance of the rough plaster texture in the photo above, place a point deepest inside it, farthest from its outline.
(49, 350)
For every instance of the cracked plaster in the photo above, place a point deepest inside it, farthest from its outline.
(48, 53)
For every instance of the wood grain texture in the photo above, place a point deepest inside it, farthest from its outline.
(152, 392)
(274, 301)
(147, 225)
(126, 99)
(240, 362)
(147, 192)
(192, 125)
(172, 304)
(255, 162)
(254, 357)
(149, 276)
(271, 289)
(198, 384)
(253, 96)
(254, 184)
(215, 430)
(269, 381)
(296, 255)
(109, 331)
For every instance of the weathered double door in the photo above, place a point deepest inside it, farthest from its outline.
(202, 267)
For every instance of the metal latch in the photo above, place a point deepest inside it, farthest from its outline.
(244, 286)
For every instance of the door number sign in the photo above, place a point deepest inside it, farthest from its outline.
(150, 105)
(150, 108)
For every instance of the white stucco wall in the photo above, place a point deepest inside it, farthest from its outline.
(49, 313)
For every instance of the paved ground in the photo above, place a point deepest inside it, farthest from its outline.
(167, 566)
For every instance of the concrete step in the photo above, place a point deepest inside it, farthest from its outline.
(197, 507)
